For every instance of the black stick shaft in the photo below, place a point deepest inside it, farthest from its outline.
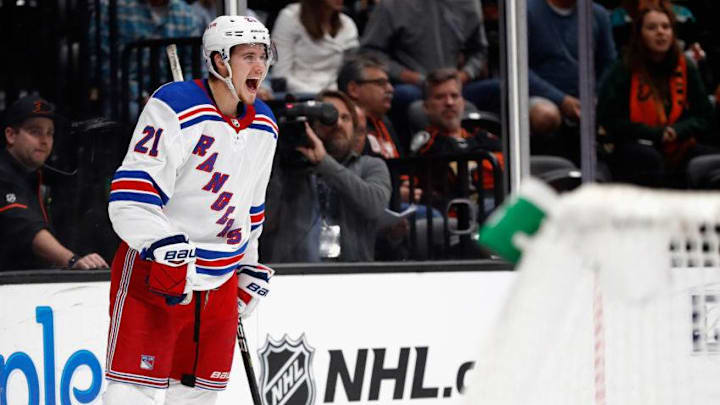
(247, 361)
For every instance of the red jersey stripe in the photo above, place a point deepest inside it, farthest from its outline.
(219, 262)
(267, 121)
(197, 111)
(132, 185)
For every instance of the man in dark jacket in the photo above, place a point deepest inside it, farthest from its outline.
(445, 136)
(329, 209)
(26, 237)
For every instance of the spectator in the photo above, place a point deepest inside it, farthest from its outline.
(360, 11)
(341, 195)
(553, 60)
(25, 230)
(311, 37)
(360, 131)
(142, 19)
(653, 105)
(389, 244)
(206, 12)
(622, 17)
(687, 31)
(364, 78)
(444, 106)
(419, 36)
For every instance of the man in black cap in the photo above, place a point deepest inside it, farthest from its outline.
(26, 239)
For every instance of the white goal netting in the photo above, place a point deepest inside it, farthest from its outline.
(617, 301)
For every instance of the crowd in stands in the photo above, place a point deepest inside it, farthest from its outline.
(405, 76)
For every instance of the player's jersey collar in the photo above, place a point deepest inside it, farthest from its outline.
(237, 123)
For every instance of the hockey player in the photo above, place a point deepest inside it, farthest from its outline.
(188, 203)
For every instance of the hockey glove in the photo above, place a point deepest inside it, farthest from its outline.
(173, 262)
(253, 284)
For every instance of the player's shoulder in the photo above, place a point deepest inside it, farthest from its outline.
(264, 119)
(182, 96)
(262, 109)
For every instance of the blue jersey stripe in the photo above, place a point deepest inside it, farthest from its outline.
(139, 174)
(263, 109)
(215, 272)
(214, 254)
(199, 120)
(266, 128)
(137, 197)
(259, 208)
(257, 274)
(254, 227)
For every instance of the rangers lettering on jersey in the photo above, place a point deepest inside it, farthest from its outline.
(190, 170)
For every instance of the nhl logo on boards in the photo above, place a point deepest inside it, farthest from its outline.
(706, 323)
(286, 373)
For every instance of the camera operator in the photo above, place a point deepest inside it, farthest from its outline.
(328, 209)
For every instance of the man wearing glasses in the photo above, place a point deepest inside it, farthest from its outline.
(364, 78)
(26, 235)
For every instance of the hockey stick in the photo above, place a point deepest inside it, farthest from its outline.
(242, 342)
(174, 63)
(247, 361)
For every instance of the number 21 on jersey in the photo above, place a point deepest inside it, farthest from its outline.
(150, 133)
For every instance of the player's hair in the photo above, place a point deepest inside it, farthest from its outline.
(346, 100)
(353, 70)
(438, 77)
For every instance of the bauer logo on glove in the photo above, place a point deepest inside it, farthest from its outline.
(259, 290)
(179, 256)
(173, 262)
(253, 284)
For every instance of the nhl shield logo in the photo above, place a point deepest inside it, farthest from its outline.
(706, 323)
(286, 372)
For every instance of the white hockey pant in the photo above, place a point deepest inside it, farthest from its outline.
(118, 393)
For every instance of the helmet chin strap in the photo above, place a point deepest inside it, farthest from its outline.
(227, 80)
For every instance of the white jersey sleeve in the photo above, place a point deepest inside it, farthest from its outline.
(145, 181)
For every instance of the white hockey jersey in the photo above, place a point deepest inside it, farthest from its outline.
(191, 170)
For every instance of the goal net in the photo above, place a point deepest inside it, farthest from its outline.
(616, 301)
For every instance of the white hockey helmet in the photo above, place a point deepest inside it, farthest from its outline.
(226, 31)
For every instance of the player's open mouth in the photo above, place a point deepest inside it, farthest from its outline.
(252, 84)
